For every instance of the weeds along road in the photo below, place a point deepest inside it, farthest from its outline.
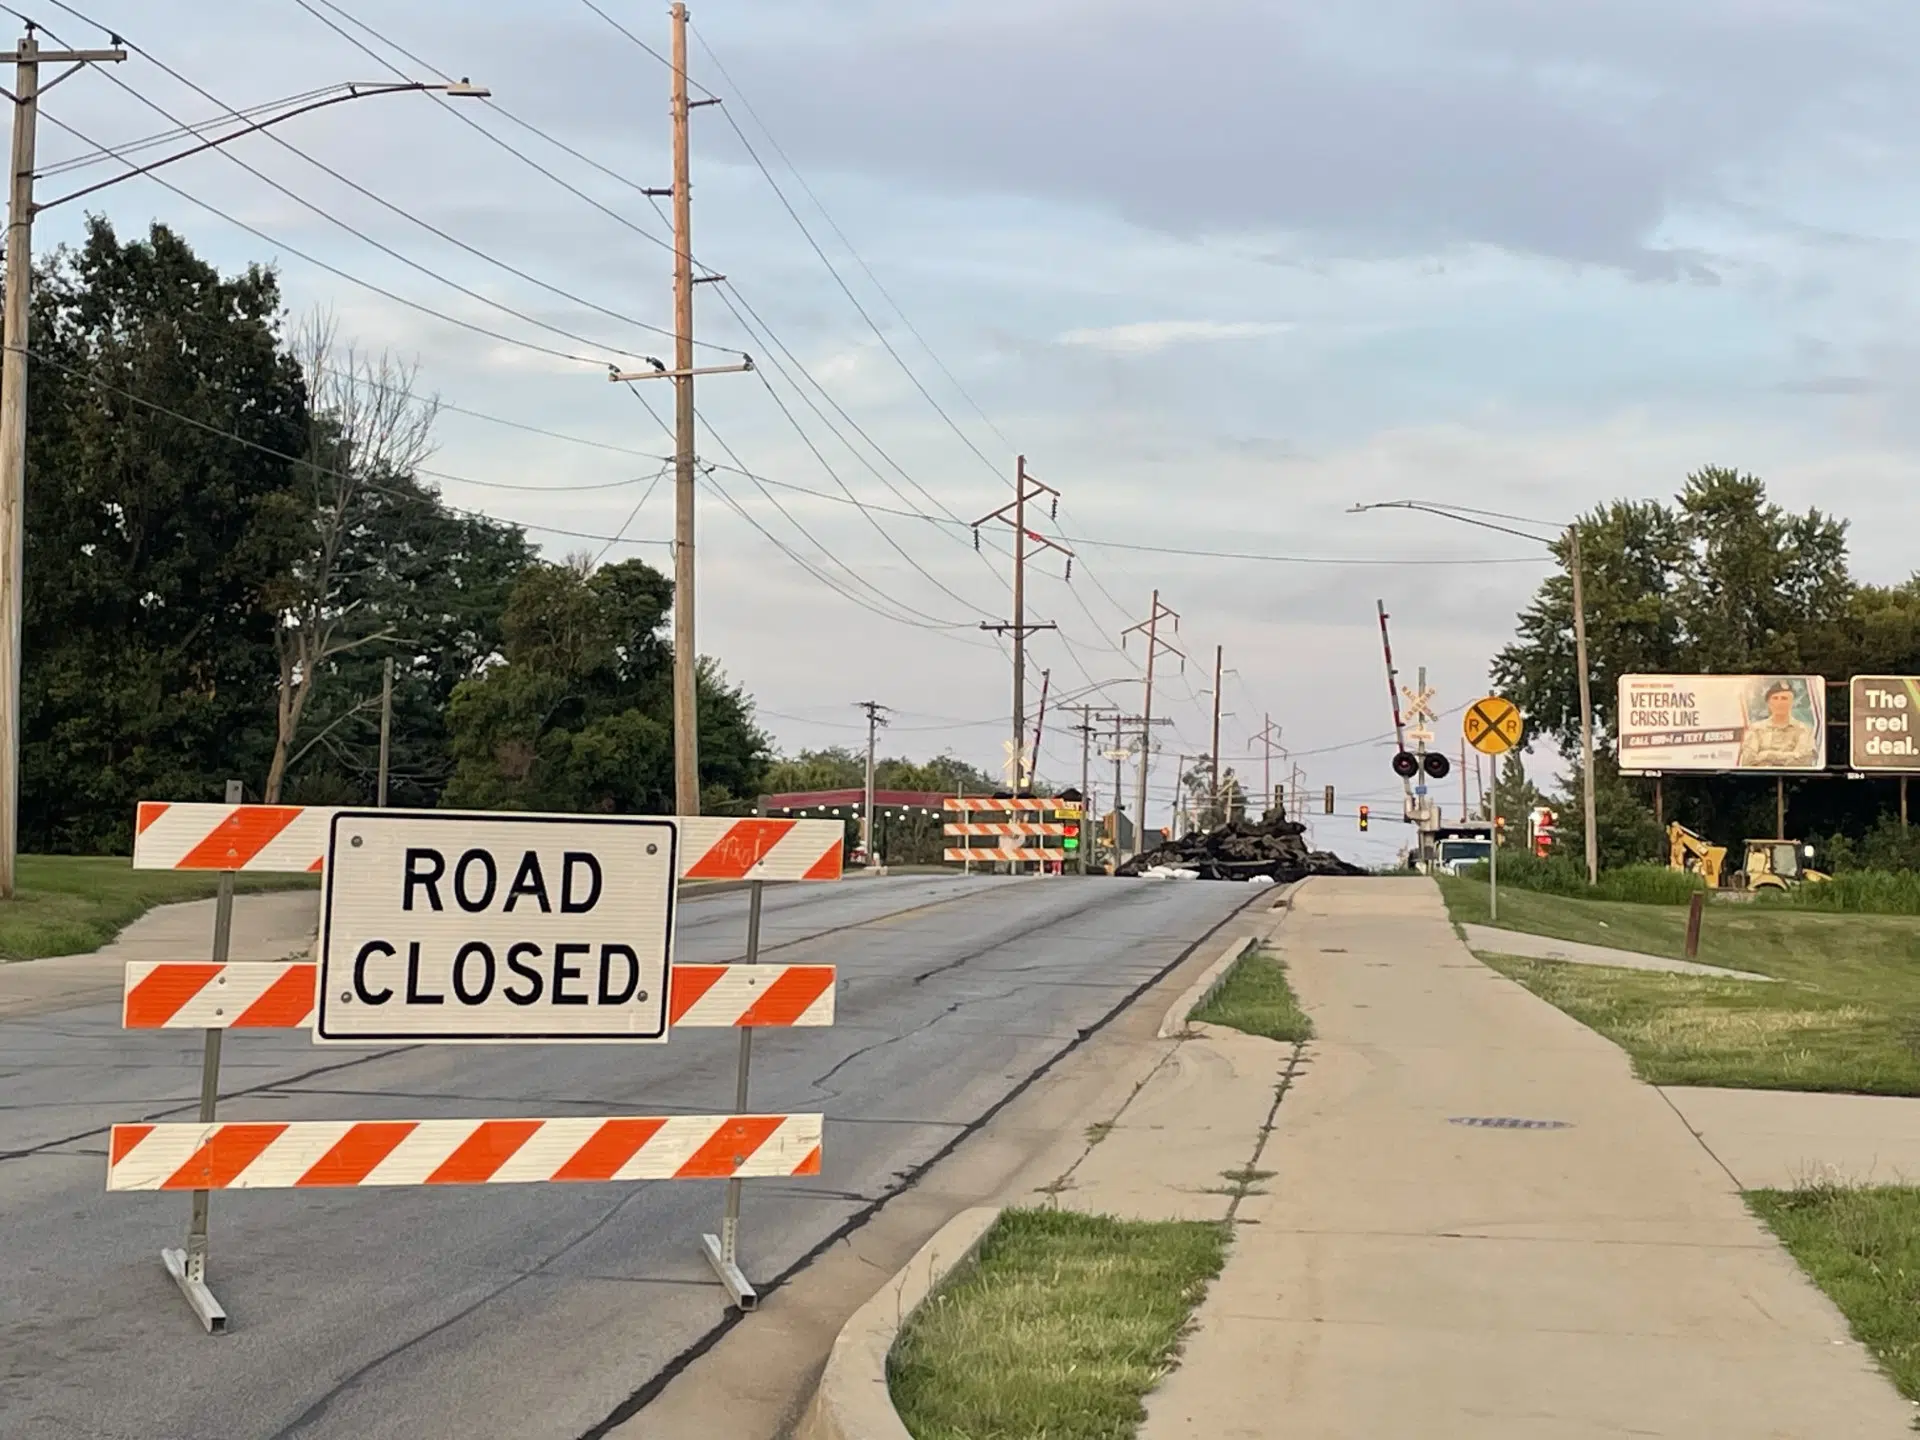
(525, 1311)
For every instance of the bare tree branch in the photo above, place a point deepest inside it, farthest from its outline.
(367, 426)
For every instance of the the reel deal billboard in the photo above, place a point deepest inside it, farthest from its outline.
(1761, 723)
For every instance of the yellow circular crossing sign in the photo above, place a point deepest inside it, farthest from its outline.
(1493, 726)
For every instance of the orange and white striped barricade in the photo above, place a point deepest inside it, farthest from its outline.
(565, 865)
(1005, 829)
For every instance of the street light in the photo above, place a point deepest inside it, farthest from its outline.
(21, 210)
(1579, 645)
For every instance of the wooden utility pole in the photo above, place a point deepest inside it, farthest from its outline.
(1213, 784)
(1267, 736)
(1014, 514)
(27, 57)
(875, 719)
(1151, 625)
(686, 700)
(1040, 722)
(1586, 704)
(1086, 730)
(686, 657)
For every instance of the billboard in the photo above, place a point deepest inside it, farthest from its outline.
(1758, 723)
(1883, 723)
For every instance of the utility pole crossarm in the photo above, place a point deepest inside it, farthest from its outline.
(659, 371)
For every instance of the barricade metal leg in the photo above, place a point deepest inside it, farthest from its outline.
(722, 1250)
(189, 1266)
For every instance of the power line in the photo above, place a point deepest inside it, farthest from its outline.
(326, 214)
(840, 234)
(100, 383)
(212, 209)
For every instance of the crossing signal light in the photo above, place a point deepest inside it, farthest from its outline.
(1363, 817)
(1406, 764)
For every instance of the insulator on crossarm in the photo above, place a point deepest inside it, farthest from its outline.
(976, 539)
(1053, 508)
(1069, 567)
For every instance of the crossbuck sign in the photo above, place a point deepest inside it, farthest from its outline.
(450, 927)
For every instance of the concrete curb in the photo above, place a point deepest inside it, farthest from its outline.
(1202, 990)
(852, 1401)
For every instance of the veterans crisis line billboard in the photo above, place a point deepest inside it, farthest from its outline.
(1762, 723)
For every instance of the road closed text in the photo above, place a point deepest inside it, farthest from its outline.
(503, 928)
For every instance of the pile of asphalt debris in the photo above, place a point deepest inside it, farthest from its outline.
(1244, 850)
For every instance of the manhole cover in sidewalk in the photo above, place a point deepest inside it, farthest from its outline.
(1509, 1122)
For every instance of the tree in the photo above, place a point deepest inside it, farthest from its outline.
(436, 582)
(1719, 581)
(576, 714)
(367, 430)
(152, 539)
(1210, 810)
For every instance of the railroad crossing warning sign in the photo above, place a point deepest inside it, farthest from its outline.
(1493, 726)
(462, 927)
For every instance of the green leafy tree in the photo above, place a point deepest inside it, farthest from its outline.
(435, 583)
(576, 715)
(152, 540)
(1721, 580)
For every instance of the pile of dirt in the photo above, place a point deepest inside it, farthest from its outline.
(1244, 850)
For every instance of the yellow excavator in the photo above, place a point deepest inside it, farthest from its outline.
(1768, 864)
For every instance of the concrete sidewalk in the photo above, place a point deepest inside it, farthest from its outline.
(1495, 941)
(275, 925)
(1410, 1275)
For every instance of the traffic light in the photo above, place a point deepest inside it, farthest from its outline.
(1070, 839)
(1329, 799)
(1363, 817)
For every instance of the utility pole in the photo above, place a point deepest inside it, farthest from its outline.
(1151, 625)
(686, 697)
(1025, 488)
(1086, 730)
(27, 57)
(386, 725)
(1213, 786)
(1267, 736)
(875, 720)
(1040, 724)
(1586, 703)
(1464, 812)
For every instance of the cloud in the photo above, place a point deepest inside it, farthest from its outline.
(1381, 127)
(1142, 337)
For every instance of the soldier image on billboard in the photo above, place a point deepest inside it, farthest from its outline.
(1777, 738)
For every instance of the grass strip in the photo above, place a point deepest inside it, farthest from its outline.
(1862, 1246)
(70, 904)
(1746, 1034)
(1256, 998)
(1058, 1329)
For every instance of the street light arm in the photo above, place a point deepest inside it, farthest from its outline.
(353, 91)
(1444, 514)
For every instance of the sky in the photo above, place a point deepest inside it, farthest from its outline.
(1219, 271)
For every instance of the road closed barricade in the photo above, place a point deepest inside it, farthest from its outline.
(441, 927)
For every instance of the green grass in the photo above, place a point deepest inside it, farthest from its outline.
(1877, 955)
(69, 904)
(1056, 1331)
(1882, 892)
(1847, 1017)
(1257, 999)
(1746, 1034)
(1861, 1246)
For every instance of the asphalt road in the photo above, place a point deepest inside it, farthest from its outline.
(532, 1312)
